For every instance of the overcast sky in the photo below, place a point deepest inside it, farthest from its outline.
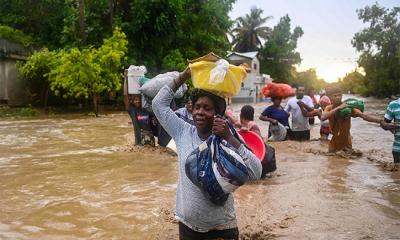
(328, 25)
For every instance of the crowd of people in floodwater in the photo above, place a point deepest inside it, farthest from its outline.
(302, 108)
(204, 114)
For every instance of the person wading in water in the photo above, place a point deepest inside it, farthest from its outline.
(198, 217)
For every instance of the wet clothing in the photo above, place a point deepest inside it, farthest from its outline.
(186, 233)
(143, 126)
(324, 130)
(393, 114)
(163, 137)
(340, 129)
(144, 119)
(193, 208)
(185, 115)
(136, 128)
(299, 121)
(300, 135)
(396, 157)
(311, 120)
(277, 113)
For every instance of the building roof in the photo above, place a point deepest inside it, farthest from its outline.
(250, 55)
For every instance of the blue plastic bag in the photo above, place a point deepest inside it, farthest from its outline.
(217, 169)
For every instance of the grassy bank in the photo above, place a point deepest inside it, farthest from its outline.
(26, 112)
(18, 112)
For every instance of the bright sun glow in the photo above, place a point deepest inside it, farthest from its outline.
(330, 72)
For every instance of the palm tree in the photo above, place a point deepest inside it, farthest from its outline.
(249, 31)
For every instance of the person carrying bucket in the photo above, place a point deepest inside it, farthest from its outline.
(199, 216)
(144, 123)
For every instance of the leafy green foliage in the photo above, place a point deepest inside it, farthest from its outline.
(41, 19)
(15, 35)
(194, 27)
(354, 82)
(90, 72)
(174, 61)
(249, 31)
(18, 112)
(279, 53)
(379, 45)
(35, 73)
(203, 28)
(309, 80)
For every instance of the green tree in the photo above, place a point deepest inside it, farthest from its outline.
(354, 82)
(379, 45)
(174, 61)
(41, 19)
(250, 31)
(152, 28)
(16, 36)
(155, 28)
(35, 73)
(90, 72)
(309, 80)
(203, 28)
(278, 55)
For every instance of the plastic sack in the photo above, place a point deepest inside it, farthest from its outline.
(278, 132)
(152, 87)
(355, 103)
(143, 80)
(220, 78)
(217, 169)
(351, 103)
(277, 90)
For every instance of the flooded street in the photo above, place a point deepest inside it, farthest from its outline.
(74, 177)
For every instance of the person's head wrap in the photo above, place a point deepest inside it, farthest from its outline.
(219, 102)
(333, 91)
(324, 100)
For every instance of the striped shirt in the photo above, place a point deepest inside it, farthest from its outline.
(393, 114)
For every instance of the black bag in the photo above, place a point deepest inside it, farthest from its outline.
(269, 161)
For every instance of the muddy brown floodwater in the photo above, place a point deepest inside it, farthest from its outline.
(76, 177)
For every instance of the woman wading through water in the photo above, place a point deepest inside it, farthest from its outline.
(198, 217)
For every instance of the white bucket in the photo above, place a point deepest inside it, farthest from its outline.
(134, 74)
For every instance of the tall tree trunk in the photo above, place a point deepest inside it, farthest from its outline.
(82, 25)
(95, 107)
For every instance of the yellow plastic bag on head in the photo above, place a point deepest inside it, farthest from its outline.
(219, 77)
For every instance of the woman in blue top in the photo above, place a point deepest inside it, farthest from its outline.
(275, 113)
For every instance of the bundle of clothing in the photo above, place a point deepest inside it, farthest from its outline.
(217, 168)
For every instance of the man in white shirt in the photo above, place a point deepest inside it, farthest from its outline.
(300, 126)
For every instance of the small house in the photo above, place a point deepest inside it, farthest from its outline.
(12, 90)
(251, 86)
